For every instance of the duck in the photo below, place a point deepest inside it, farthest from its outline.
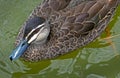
(57, 27)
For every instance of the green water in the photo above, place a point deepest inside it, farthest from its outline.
(100, 59)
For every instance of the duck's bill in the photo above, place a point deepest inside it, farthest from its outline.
(20, 49)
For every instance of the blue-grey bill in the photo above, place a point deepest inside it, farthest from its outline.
(20, 49)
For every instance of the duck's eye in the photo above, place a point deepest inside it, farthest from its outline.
(34, 33)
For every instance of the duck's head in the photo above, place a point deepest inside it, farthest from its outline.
(36, 30)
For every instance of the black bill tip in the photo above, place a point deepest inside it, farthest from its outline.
(11, 58)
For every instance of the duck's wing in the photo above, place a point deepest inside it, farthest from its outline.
(82, 24)
(84, 17)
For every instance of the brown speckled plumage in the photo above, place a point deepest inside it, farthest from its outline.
(73, 24)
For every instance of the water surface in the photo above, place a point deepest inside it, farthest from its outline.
(100, 59)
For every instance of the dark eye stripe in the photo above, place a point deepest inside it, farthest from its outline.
(33, 33)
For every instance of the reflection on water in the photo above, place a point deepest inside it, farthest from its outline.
(99, 59)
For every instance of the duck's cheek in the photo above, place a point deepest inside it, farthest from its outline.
(42, 37)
